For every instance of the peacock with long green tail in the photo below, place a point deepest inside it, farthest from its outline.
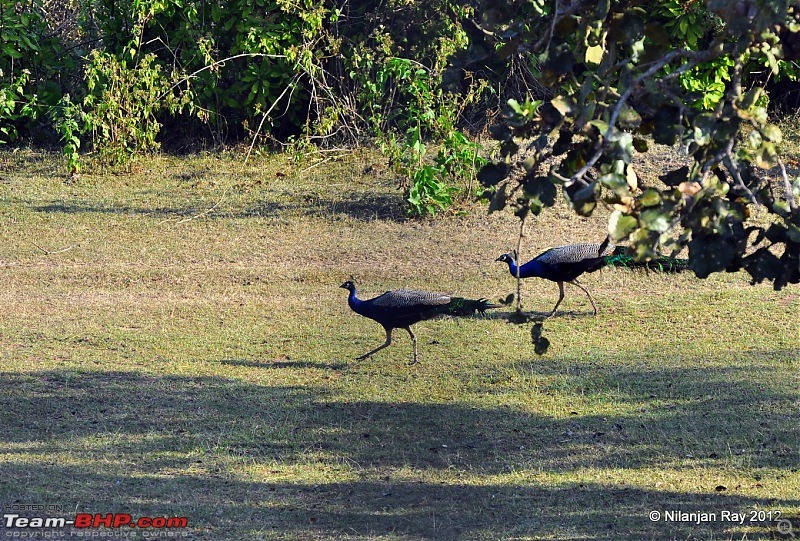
(564, 264)
(401, 308)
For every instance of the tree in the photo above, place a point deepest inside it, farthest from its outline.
(617, 76)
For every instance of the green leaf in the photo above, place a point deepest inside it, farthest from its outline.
(515, 106)
(650, 198)
(620, 225)
(615, 182)
(655, 219)
(656, 44)
(541, 189)
(666, 126)
(767, 156)
(562, 104)
(621, 146)
(772, 133)
(762, 265)
(594, 54)
(772, 61)
(752, 96)
(583, 199)
(498, 201)
(12, 52)
(793, 232)
(601, 125)
(633, 23)
(629, 118)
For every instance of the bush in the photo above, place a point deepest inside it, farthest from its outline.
(31, 65)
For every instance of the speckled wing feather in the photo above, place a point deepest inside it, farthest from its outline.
(573, 253)
(408, 298)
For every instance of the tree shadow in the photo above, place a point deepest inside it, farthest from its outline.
(363, 206)
(265, 209)
(387, 508)
(151, 444)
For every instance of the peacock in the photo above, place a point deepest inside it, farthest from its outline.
(401, 308)
(564, 264)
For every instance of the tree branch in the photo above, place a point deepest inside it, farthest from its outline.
(51, 252)
(787, 184)
(696, 58)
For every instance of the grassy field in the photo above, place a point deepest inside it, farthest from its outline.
(174, 343)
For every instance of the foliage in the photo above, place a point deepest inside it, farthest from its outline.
(406, 106)
(14, 106)
(618, 81)
(70, 121)
(428, 191)
(430, 188)
(30, 62)
(123, 104)
(687, 22)
(427, 111)
(274, 68)
(242, 55)
(318, 70)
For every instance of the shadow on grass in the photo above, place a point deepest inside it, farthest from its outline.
(534, 315)
(284, 364)
(365, 206)
(265, 209)
(239, 509)
(192, 446)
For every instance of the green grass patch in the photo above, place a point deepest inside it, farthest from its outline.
(174, 343)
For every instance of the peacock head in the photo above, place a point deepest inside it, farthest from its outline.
(349, 286)
(505, 258)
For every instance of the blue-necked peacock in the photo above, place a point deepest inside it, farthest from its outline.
(564, 264)
(401, 308)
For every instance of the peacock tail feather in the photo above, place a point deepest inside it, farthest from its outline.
(466, 307)
(659, 264)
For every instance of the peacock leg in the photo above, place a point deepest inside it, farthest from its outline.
(388, 341)
(594, 306)
(413, 341)
(560, 298)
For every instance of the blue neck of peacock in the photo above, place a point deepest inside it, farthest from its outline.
(354, 302)
(512, 267)
(531, 269)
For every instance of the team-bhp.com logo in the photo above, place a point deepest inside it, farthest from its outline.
(88, 520)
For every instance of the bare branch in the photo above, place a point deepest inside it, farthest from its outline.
(218, 63)
(201, 214)
(51, 252)
(266, 114)
(787, 184)
(517, 253)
